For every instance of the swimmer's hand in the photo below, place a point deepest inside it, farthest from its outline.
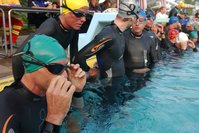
(191, 44)
(77, 76)
(141, 70)
(59, 96)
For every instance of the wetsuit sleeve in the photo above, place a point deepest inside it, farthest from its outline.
(50, 128)
(100, 42)
(74, 47)
(8, 114)
(9, 123)
(163, 43)
(154, 52)
(195, 49)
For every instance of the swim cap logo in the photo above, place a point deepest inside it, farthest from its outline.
(11, 130)
(100, 45)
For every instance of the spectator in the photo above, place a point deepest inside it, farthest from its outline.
(38, 18)
(162, 13)
(16, 23)
(108, 4)
(94, 6)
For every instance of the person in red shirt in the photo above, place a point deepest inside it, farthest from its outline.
(16, 23)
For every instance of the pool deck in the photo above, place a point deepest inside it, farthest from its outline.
(6, 64)
(6, 77)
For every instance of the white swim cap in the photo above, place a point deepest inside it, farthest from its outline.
(182, 37)
(128, 8)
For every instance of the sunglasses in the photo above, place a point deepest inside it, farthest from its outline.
(54, 68)
(139, 20)
(77, 13)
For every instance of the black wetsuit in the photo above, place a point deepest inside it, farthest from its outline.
(161, 43)
(140, 52)
(172, 50)
(50, 27)
(109, 56)
(174, 12)
(156, 41)
(21, 111)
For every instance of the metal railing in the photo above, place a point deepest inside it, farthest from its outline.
(27, 10)
(4, 32)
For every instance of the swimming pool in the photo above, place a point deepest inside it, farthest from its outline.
(168, 103)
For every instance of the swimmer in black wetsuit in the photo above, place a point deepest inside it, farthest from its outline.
(140, 51)
(21, 108)
(193, 36)
(110, 54)
(150, 18)
(176, 10)
(40, 101)
(178, 43)
(110, 58)
(64, 29)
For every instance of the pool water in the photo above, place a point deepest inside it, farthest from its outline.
(167, 103)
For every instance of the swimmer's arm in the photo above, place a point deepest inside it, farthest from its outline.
(50, 128)
(8, 123)
(154, 52)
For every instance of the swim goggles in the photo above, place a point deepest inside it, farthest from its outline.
(77, 13)
(139, 20)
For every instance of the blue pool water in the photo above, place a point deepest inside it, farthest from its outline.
(168, 103)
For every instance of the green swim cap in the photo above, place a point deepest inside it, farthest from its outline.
(43, 48)
(193, 34)
(195, 26)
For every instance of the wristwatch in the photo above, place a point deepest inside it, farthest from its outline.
(50, 128)
(78, 94)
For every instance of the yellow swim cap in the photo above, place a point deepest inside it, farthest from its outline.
(181, 4)
(73, 4)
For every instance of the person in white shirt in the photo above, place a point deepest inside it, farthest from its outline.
(162, 13)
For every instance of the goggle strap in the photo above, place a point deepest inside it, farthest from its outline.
(32, 62)
(131, 10)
